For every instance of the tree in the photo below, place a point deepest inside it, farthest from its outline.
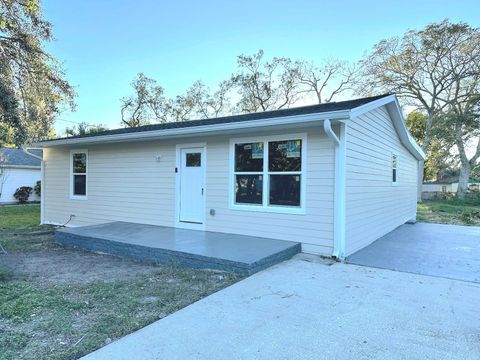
(265, 85)
(206, 104)
(84, 129)
(146, 104)
(435, 69)
(33, 89)
(461, 126)
(439, 160)
(332, 78)
(7, 135)
(257, 85)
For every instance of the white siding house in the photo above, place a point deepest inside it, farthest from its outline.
(320, 175)
(17, 169)
(376, 203)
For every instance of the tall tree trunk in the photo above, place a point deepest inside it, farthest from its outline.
(425, 146)
(465, 170)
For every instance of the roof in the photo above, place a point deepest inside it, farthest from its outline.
(19, 158)
(335, 112)
(303, 110)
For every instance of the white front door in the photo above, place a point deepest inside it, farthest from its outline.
(192, 182)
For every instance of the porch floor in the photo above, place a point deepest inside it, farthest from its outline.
(192, 248)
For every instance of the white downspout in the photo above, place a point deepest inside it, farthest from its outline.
(42, 184)
(339, 189)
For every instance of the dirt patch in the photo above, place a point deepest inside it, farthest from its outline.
(63, 266)
(58, 303)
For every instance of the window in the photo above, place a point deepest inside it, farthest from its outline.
(194, 160)
(268, 174)
(444, 188)
(78, 174)
(394, 169)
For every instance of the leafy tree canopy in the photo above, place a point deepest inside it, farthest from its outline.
(33, 88)
(84, 129)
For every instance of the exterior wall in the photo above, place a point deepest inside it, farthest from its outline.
(126, 183)
(374, 205)
(431, 188)
(17, 177)
(438, 187)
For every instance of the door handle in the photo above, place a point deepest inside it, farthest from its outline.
(202, 191)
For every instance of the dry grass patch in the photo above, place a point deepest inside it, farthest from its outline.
(57, 303)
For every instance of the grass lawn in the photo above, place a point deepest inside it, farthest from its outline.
(450, 211)
(57, 303)
(14, 216)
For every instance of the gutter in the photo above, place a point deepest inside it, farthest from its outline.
(339, 203)
(25, 150)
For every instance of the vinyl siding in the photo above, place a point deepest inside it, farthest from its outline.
(375, 206)
(126, 183)
(15, 178)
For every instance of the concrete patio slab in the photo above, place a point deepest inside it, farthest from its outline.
(449, 251)
(197, 249)
(308, 310)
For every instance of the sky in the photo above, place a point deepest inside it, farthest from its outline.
(103, 44)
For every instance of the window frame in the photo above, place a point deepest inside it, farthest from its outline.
(265, 206)
(392, 158)
(72, 175)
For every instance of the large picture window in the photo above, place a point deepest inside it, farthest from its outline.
(78, 182)
(268, 174)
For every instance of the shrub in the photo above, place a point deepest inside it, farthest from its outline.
(38, 188)
(22, 194)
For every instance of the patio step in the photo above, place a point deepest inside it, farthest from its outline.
(240, 254)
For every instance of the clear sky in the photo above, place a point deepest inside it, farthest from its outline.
(105, 43)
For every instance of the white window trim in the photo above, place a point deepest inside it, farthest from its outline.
(266, 178)
(394, 183)
(72, 195)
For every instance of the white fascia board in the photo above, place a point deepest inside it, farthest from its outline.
(395, 112)
(197, 130)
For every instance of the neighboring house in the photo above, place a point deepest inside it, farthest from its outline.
(448, 186)
(18, 168)
(334, 176)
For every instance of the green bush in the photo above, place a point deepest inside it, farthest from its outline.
(22, 194)
(38, 188)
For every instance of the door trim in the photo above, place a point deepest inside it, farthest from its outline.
(178, 164)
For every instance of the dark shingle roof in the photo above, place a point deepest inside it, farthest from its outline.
(319, 108)
(18, 157)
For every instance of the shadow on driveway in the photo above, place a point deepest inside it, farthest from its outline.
(449, 251)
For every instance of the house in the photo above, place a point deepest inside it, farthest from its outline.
(18, 168)
(333, 176)
(447, 185)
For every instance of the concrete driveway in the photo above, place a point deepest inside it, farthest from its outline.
(304, 309)
(449, 251)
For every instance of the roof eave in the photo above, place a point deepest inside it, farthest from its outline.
(196, 130)
(395, 112)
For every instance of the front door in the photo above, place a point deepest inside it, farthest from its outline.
(192, 182)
